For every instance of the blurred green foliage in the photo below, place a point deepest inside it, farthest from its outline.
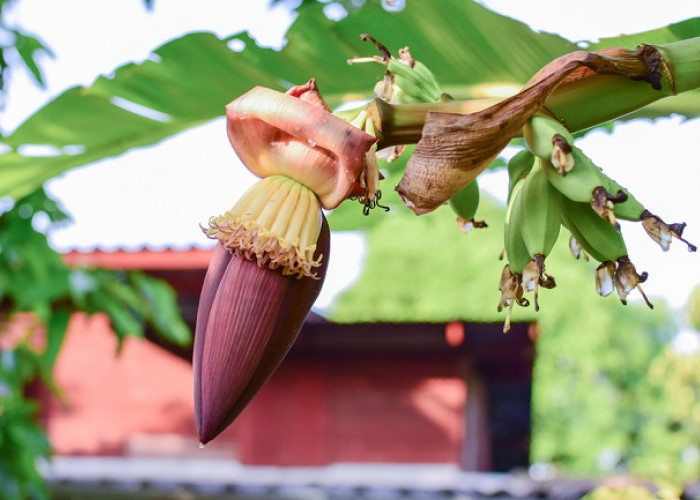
(38, 292)
(669, 441)
(693, 308)
(22, 440)
(633, 492)
(21, 47)
(589, 380)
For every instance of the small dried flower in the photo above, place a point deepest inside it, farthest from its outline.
(531, 276)
(576, 249)
(604, 203)
(605, 278)
(663, 233)
(562, 159)
(466, 225)
(534, 277)
(627, 279)
(511, 293)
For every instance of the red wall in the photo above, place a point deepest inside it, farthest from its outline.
(374, 410)
(315, 410)
(111, 404)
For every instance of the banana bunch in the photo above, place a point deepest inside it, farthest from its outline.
(406, 80)
(411, 81)
(553, 184)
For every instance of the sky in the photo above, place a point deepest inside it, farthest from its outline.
(158, 196)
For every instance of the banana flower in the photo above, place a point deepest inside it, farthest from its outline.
(272, 252)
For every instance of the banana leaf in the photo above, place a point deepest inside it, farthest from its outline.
(188, 81)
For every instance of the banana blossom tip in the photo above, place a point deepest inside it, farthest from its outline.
(248, 318)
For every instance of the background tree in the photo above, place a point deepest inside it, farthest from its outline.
(38, 294)
(693, 309)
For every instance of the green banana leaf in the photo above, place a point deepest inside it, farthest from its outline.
(188, 81)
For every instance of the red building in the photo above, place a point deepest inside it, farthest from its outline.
(456, 393)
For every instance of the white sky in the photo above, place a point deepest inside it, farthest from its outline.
(158, 196)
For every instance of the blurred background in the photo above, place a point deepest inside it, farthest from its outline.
(402, 384)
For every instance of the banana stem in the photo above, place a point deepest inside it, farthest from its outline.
(403, 123)
(683, 62)
(579, 103)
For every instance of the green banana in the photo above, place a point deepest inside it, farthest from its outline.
(587, 183)
(408, 92)
(413, 81)
(418, 77)
(464, 204)
(405, 97)
(518, 167)
(597, 236)
(406, 81)
(540, 132)
(541, 212)
(427, 77)
(540, 226)
(516, 250)
(579, 183)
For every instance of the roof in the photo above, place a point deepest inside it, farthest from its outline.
(144, 259)
(223, 479)
(343, 267)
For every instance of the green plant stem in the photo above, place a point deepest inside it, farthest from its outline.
(683, 61)
(403, 123)
(580, 104)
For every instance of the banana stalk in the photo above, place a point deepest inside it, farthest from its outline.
(614, 95)
(457, 140)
